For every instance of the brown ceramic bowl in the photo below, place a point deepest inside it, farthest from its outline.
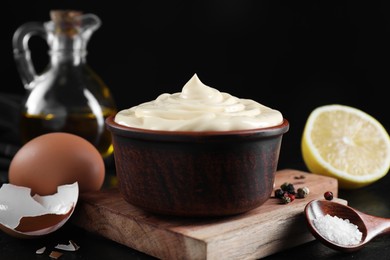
(196, 173)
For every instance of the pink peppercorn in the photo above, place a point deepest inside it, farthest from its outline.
(328, 195)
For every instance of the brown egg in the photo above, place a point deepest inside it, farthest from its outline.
(55, 159)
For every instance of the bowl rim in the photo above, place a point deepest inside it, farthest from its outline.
(265, 131)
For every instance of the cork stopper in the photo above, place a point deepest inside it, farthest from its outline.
(66, 21)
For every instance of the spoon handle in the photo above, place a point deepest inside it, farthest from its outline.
(375, 225)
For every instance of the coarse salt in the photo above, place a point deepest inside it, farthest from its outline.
(338, 230)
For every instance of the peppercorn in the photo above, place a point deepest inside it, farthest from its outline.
(284, 185)
(286, 198)
(287, 192)
(328, 195)
(279, 193)
(303, 192)
(289, 187)
(291, 196)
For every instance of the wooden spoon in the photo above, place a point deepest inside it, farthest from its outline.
(370, 226)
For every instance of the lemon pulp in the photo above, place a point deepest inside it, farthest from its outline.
(346, 143)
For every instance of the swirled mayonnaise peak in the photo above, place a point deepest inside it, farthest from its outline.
(199, 108)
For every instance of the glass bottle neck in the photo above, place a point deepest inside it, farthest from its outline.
(70, 49)
(73, 57)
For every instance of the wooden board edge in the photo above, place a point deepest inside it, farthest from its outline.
(146, 238)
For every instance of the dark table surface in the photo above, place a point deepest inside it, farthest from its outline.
(373, 199)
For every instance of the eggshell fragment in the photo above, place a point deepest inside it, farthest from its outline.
(55, 159)
(55, 254)
(72, 246)
(26, 216)
(40, 251)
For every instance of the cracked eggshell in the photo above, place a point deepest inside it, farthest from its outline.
(26, 216)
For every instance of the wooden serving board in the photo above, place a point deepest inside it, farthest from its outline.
(268, 229)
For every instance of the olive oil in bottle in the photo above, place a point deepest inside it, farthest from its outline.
(68, 96)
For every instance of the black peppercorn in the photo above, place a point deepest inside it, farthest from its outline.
(279, 193)
(284, 185)
(289, 187)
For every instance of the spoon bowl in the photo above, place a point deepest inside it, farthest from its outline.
(370, 226)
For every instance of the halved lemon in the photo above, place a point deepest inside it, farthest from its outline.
(346, 143)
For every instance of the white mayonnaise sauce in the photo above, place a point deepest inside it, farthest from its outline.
(199, 108)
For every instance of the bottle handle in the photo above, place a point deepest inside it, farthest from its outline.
(21, 51)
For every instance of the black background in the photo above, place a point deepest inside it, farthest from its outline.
(289, 55)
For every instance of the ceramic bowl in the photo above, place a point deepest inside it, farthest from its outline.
(196, 174)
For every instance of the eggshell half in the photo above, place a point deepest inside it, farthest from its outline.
(26, 216)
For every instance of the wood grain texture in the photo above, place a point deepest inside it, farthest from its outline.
(268, 229)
